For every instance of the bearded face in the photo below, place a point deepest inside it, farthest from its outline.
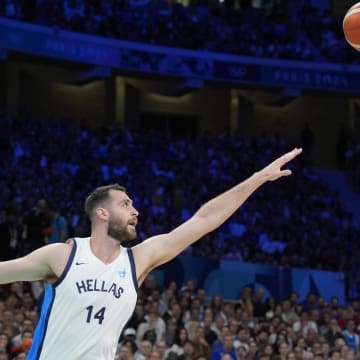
(120, 230)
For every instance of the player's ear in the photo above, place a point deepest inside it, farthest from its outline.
(102, 213)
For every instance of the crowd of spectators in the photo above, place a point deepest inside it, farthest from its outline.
(46, 160)
(180, 322)
(353, 166)
(296, 31)
(48, 167)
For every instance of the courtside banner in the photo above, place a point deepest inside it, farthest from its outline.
(134, 57)
(227, 278)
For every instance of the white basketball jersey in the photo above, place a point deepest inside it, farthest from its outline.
(85, 310)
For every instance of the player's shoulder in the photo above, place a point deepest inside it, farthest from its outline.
(58, 255)
(76, 240)
(70, 243)
(63, 246)
(58, 250)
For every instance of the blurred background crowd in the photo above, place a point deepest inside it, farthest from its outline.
(183, 323)
(168, 178)
(48, 167)
(287, 29)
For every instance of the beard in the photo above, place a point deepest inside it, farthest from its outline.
(120, 232)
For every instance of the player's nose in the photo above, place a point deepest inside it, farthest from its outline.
(134, 211)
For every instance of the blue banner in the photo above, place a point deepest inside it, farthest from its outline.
(47, 42)
(227, 278)
(159, 60)
(331, 80)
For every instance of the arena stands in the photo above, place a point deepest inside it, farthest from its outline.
(295, 32)
(56, 163)
(305, 212)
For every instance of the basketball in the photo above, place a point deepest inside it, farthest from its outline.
(351, 26)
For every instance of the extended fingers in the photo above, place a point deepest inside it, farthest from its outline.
(295, 152)
(274, 170)
(290, 155)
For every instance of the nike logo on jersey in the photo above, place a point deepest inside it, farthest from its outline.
(80, 263)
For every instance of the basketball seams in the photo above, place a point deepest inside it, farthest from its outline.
(350, 13)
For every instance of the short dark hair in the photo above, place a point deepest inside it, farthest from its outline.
(131, 344)
(98, 196)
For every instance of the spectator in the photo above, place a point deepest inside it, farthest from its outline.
(125, 353)
(58, 225)
(145, 348)
(161, 348)
(138, 316)
(245, 301)
(153, 322)
(181, 337)
(259, 309)
(34, 224)
(242, 352)
(333, 333)
(287, 312)
(226, 348)
(10, 236)
(350, 337)
(189, 351)
(202, 348)
(210, 335)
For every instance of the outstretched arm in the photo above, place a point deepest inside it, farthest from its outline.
(162, 248)
(44, 263)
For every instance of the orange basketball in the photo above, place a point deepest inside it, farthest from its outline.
(351, 26)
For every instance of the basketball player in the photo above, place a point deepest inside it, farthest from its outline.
(91, 283)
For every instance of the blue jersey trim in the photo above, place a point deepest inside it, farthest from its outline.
(133, 268)
(38, 340)
(67, 267)
(48, 300)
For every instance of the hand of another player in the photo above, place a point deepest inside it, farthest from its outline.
(273, 171)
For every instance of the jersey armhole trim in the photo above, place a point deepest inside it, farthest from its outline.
(67, 267)
(133, 268)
